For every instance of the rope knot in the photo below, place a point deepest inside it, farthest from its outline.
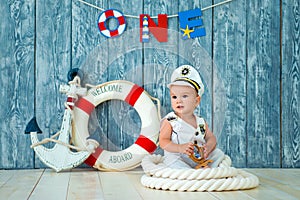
(74, 89)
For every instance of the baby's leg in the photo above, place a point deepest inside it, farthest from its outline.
(177, 164)
(217, 156)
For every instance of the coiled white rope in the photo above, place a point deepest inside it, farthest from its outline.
(224, 177)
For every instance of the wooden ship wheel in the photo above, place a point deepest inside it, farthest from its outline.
(198, 157)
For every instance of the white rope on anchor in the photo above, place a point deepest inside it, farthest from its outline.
(224, 177)
(52, 139)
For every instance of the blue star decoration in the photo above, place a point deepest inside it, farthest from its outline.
(191, 24)
(186, 32)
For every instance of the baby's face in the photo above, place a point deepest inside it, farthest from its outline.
(184, 99)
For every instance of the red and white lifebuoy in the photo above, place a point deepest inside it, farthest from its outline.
(102, 25)
(135, 96)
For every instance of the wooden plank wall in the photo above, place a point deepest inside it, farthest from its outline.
(249, 61)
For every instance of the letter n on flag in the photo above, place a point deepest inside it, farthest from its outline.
(159, 30)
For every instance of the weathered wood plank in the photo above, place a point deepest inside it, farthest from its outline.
(84, 184)
(266, 192)
(90, 55)
(21, 184)
(116, 185)
(229, 47)
(290, 84)
(125, 63)
(91, 184)
(231, 195)
(17, 82)
(52, 185)
(263, 84)
(5, 175)
(279, 176)
(191, 53)
(275, 184)
(159, 63)
(161, 58)
(53, 31)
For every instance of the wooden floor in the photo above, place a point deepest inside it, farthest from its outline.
(89, 184)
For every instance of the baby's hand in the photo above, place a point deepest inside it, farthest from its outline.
(207, 149)
(187, 148)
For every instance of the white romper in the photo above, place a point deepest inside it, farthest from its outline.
(183, 132)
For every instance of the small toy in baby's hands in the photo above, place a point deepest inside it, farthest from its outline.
(198, 157)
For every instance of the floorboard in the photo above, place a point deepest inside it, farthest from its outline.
(117, 185)
(86, 181)
(92, 184)
(277, 183)
(19, 183)
(52, 185)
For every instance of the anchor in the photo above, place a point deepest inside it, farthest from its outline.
(60, 157)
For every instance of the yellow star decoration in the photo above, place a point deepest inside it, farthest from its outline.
(187, 31)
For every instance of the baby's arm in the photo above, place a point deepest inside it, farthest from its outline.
(166, 143)
(211, 142)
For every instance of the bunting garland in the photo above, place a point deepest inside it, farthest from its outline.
(191, 23)
(170, 16)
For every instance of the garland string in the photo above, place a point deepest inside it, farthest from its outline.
(170, 16)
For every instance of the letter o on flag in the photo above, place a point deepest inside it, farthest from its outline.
(103, 19)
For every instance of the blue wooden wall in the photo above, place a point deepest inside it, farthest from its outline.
(249, 62)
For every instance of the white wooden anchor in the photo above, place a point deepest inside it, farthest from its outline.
(60, 157)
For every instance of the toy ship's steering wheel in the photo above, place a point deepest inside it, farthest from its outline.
(198, 157)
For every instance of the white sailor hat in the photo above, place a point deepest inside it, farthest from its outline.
(186, 75)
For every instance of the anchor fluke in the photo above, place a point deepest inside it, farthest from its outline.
(32, 126)
(60, 157)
